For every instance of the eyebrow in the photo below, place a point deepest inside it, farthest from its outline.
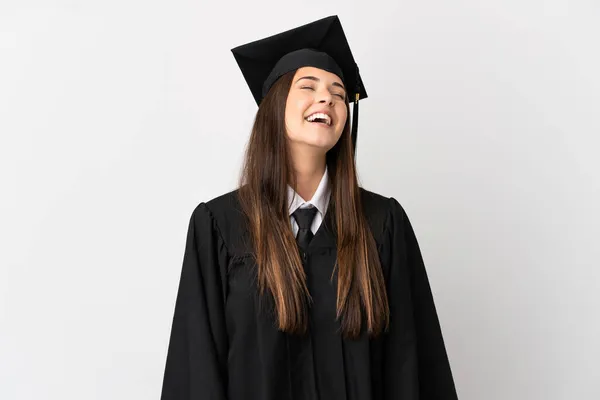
(314, 78)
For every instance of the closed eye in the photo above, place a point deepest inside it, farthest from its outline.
(341, 96)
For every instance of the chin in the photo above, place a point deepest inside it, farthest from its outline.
(320, 141)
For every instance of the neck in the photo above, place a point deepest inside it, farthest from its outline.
(309, 171)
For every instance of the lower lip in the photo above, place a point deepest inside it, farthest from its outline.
(322, 124)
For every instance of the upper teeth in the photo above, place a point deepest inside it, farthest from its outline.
(321, 116)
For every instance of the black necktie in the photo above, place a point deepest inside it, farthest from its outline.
(304, 218)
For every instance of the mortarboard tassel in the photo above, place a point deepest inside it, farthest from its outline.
(355, 114)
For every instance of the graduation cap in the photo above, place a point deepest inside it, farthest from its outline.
(320, 44)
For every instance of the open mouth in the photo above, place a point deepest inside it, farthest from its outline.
(319, 118)
(324, 123)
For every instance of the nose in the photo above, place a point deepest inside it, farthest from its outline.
(325, 97)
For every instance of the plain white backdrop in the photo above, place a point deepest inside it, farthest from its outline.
(118, 117)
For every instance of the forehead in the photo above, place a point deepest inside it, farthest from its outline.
(318, 73)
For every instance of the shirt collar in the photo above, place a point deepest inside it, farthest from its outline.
(320, 199)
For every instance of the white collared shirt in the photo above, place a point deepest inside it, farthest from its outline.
(320, 200)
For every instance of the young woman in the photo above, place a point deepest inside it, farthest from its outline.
(301, 284)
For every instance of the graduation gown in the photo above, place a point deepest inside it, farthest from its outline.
(224, 343)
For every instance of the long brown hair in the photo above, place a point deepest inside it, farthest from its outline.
(267, 170)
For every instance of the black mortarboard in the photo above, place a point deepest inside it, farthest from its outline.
(320, 44)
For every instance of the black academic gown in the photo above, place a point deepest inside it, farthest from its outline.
(224, 343)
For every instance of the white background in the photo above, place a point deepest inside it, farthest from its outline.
(117, 117)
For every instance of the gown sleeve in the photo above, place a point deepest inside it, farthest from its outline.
(196, 362)
(416, 363)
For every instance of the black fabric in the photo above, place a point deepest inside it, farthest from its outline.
(224, 344)
(304, 218)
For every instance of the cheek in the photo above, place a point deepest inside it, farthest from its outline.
(343, 115)
(301, 104)
(294, 111)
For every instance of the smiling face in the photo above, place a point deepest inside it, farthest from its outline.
(315, 111)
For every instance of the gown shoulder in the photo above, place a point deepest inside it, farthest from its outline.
(227, 218)
(382, 213)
